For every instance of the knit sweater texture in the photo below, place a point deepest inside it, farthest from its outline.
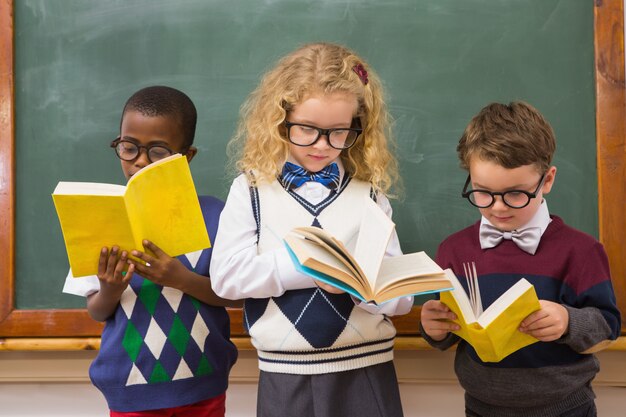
(310, 331)
(545, 378)
(163, 348)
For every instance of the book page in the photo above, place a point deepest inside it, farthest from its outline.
(473, 288)
(495, 334)
(334, 247)
(502, 328)
(323, 237)
(374, 234)
(90, 223)
(510, 297)
(88, 188)
(163, 207)
(407, 287)
(416, 265)
(314, 256)
(328, 279)
(457, 299)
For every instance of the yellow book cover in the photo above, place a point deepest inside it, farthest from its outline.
(493, 333)
(159, 203)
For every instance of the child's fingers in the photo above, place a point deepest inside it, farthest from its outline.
(118, 274)
(129, 273)
(439, 329)
(102, 261)
(444, 325)
(544, 330)
(537, 326)
(153, 248)
(436, 310)
(328, 288)
(142, 270)
(528, 321)
(533, 318)
(545, 334)
(143, 256)
(439, 315)
(112, 261)
(435, 305)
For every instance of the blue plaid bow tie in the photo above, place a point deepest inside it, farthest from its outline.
(294, 176)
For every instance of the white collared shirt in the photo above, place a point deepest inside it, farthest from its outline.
(541, 219)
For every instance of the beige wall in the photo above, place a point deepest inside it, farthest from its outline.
(56, 384)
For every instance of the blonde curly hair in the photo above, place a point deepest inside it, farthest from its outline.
(260, 145)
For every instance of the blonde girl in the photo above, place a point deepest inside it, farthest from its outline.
(313, 142)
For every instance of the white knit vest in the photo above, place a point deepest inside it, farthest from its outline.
(282, 341)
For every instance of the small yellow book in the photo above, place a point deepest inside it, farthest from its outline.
(366, 274)
(493, 333)
(159, 203)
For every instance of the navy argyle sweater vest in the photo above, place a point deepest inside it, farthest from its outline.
(163, 348)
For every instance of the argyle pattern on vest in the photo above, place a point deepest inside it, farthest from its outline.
(170, 345)
(307, 307)
(163, 348)
(311, 331)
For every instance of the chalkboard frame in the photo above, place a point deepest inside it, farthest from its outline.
(75, 323)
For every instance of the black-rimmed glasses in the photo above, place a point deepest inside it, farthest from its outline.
(516, 199)
(129, 151)
(306, 135)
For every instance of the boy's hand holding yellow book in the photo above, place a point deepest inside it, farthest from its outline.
(493, 333)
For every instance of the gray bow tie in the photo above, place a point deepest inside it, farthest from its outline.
(525, 239)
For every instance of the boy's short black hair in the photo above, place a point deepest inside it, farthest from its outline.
(165, 101)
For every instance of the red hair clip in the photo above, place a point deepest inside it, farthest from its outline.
(361, 72)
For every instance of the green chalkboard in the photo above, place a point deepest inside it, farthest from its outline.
(77, 61)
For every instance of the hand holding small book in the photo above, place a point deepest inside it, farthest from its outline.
(437, 320)
(159, 267)
(115, 269)
(365, 272)
(158, 203)
(547, 324)
(328, 288)
(495, 332)
(114, 273)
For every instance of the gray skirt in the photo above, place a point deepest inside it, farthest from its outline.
(366, 392)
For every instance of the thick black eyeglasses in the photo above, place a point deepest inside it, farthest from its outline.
(513, 198)
(306, 135)
(129, 151)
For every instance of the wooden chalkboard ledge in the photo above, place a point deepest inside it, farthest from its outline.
(405, 343)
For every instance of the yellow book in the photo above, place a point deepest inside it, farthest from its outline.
(159, 203)
(493, 333)
(366, 274)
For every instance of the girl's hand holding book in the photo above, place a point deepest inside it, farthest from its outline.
(328, 288)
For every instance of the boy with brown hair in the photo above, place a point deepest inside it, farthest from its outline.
(508, 151)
